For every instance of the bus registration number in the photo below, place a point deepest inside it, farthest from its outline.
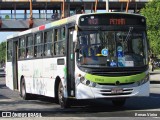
(116, 90)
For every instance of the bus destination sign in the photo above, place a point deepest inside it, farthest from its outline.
(111, 19)
(115, 21)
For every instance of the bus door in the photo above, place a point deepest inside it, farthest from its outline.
(70, 64)
(15, 64)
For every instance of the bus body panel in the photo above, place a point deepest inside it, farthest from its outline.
(85, 92)
(40, 75)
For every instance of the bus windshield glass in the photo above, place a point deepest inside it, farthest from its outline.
(112, 48)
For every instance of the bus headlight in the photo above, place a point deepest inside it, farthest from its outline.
(146, 79)
(87, 82)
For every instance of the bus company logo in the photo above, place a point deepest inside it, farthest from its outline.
(117, 83)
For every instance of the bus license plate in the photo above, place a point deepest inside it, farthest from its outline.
(116, 90)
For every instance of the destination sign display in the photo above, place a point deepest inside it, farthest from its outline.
(111, 19)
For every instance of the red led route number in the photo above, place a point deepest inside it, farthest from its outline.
(92, 21)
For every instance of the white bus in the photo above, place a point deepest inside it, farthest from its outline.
(85, 56)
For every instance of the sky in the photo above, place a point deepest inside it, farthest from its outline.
(3, 35)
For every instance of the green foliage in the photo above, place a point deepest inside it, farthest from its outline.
(2, 52)
(152, 14)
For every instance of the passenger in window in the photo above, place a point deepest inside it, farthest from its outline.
(29, 55)
(48, 52)
(56, 49)
(22, 55)
(39, 53)
(62, 51)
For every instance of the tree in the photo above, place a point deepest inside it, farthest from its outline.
(152, 14)
(2, 53)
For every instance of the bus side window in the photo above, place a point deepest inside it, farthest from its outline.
(55, 41)
(63, 33)
(29, 49)
(59, 41)
(48, 43)
(38, 48)
(21, 48)
(9, 50)
(62, 42)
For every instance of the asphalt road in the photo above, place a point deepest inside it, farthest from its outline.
(10, 101)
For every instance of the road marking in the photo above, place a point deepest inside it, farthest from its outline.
(6, 100)
(155, 85)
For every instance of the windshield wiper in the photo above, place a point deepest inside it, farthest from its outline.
(129, 34)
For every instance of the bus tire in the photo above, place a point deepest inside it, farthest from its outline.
(23, 93)
(56, 100)
(119, 103)
(64, 102)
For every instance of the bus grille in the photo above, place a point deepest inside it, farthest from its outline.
(114, 83)
(108, 92)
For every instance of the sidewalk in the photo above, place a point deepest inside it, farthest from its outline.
(155, 76)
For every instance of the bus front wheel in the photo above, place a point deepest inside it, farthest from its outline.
(64, 102)
(120, 102)
(23, 93)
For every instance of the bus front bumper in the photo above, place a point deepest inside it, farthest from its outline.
(86, 92)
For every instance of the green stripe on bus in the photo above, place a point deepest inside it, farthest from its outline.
(65, 71)
(121, 79)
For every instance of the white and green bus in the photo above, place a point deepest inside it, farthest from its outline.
(85, 56)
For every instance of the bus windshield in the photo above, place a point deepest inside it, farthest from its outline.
(112, 48)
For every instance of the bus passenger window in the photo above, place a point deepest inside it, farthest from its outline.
(62, 33)
(9, 50)
(48, 43)
(29, 49)
(56, 49)
(59, 42)
(38, 48)
(21, 48)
